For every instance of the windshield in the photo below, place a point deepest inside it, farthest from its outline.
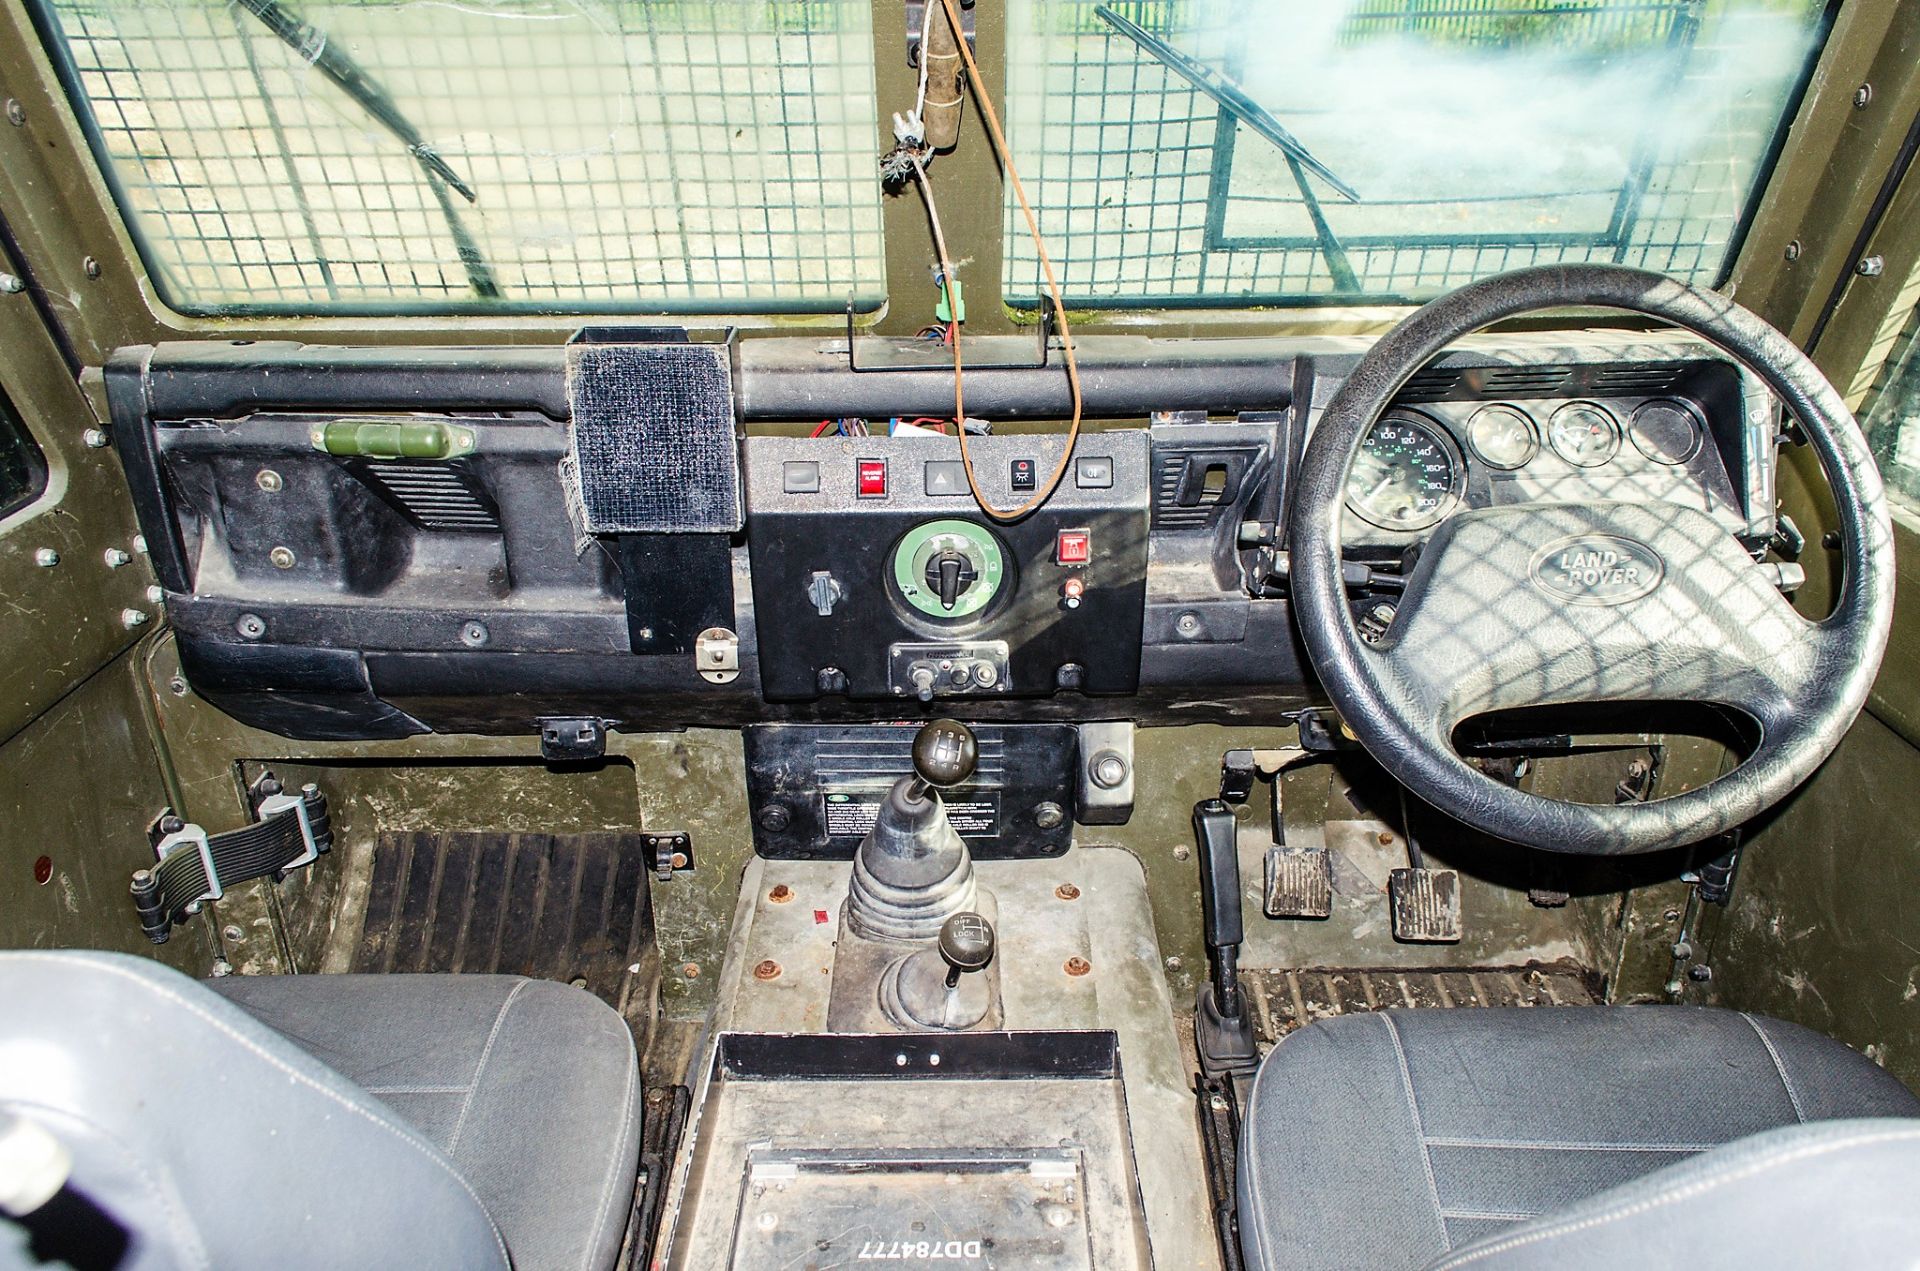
(575, 156)
(1472, 136)
(570, 155)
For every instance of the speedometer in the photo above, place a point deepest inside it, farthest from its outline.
(1407, 475)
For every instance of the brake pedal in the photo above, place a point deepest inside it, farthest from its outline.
(1299, 882)
(1426, 905)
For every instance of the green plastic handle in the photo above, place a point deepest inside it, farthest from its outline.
(383, 439)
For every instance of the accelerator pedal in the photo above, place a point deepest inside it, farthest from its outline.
(1426, 905)
(1299, 882)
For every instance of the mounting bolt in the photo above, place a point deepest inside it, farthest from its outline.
(1187, 625)
(178, 686)
(251, 626)
(780, 894)
(774, 818)
(46, 558)
(95, 438)
(1067, 891)
(131, 618)
(1870, 266)
(1049, 815)
(12, 284)
(267, 479)
(91, 268)
(115, 557)
(232, 933)
(1077, 966)
(767, 969)
(1862, 95)
(1181, 852)
(156, 594)
(282, 557)
(16, 113)
(1174, 963)
(1700, 974)
(1682, 951)
(1672, 915)
(474, 634)
(691, 970)
(1794, 249)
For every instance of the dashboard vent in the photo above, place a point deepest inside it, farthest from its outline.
(1648, 377)
(434, 496)
(1168, 512)
(1430, 385)
(1522, 381)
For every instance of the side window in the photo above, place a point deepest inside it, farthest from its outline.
(1892, 415)
(23, 473)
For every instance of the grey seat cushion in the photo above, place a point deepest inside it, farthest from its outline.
(1386, 1140)
(1825, 1194)
(530, 1088)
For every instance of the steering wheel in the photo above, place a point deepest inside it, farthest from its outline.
(1564, 603)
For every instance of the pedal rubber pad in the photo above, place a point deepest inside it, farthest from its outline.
(1426, 905)
(1299, 882)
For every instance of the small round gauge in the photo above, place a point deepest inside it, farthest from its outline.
(1666, 431)
(1584, 434)
(1503, 436)
(1407, 475)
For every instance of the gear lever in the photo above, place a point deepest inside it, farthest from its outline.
(913, 872)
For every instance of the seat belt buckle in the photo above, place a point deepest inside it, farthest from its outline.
(191, 835)
(275, 804)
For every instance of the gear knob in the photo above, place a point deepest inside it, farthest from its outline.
(944, 753)
(966, 944)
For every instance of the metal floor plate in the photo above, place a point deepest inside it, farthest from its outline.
(1284, 1000)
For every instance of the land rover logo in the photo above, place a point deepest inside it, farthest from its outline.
(1597, 569)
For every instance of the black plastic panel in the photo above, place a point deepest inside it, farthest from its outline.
(813, 791)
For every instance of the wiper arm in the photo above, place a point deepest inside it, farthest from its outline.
(351, 78)
(1229, 95)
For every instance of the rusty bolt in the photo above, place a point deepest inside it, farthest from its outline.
(1386, 839)
(679, 860)
(1077, 966)
(768, 969)
(691, 970)
(1067, 891)
(780, 894)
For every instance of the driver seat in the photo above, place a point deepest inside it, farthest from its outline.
(1561, 1136)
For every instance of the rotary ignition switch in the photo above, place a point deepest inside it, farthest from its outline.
(950, 573)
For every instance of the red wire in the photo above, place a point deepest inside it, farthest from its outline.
(822, 427)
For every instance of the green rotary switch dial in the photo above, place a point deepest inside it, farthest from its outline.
(949, 569)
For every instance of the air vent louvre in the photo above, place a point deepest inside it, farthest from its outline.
(1650, 377)
(434, 496)
(1514, 381)
(1167, 513)
(1430, 385)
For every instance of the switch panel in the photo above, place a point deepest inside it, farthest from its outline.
(930, 597)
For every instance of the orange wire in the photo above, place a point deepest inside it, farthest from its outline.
(980, 94)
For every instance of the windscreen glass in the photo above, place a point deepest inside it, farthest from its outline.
(1241, 152)
(535, 155)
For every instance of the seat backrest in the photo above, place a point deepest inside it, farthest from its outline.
(1824, 1194)
(210, 1139)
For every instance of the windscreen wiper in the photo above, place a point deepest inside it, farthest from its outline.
(351, 78)
(1230, 97)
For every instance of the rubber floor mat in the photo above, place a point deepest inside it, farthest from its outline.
(567, 907)
(1282, 1001)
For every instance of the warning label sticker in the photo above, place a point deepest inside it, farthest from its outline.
(974, 814)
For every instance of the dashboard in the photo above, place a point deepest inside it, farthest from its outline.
(642, 531)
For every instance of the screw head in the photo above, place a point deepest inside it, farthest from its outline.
(251, 626)
(1700, 974)
(91, 267)
(131, 618)
(1173, 962)
(95, 438)
(775, 818)
(1862, 95)
(1049, 816)
(1109, 770)
(46, 558)
(474, 634)
(1181, 852)
(1794, 249)
(269, 480)
(767, 969)
(1077, 966)
(16, 113)
(178, 686)
(232, 932)
(282, 557)
(156, 594)
(691, 970)
(1188, 625)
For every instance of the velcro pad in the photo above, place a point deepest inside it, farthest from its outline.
(653, 446)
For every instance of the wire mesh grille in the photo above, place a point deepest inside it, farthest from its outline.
(1482, 135)
(675, 154)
